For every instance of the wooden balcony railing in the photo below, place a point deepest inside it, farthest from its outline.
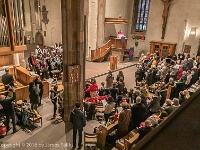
(100, 53)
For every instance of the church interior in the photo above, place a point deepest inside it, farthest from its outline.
(99, 74)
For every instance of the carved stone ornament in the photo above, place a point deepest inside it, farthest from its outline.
(45, 19)
(74, 74)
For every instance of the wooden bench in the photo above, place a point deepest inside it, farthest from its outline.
(102, 134)
(126, 142)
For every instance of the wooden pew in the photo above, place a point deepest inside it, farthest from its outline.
(126, 142)
(23, 75)
(101, 140)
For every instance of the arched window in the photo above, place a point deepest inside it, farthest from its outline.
(140, 17)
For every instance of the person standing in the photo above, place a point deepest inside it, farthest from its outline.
(114, 92)
(31, 61)
(40, 86)
(38, 50)
(34, 95)
(93, 88)
(8, 108)
(108, 111)
(109, 79)
(139, 113)
(77, 118)
(54, 99)
(7, 79)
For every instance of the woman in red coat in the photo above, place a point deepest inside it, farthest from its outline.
(180, 72)
(93, 88)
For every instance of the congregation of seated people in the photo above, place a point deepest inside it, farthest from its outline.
(148, 103)
(47, 62)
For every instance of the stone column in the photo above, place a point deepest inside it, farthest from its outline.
(73, 45)
(100, 22)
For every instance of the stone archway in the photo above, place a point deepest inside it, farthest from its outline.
(39, 39)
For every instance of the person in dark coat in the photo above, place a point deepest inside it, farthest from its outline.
(139, 113)
(144, 130)
(109, 79)
(40, 85)
(154, 105)
(8, 109)
(120, 86)
(114, 92)
(139, 75)
(77, 118)
(86, 93)
(154, 72)
(167, 77)
(181, 56)
(149, 77)
(7, 79)
(120, 75)
(54, 99)
(180, 86)
(34, 95)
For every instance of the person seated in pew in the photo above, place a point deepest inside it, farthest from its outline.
(180, 86)
(143, 131)
(176, 103)
(168, 106)
(163, 116)
(154, 105)
(123, 124)
(171, 82)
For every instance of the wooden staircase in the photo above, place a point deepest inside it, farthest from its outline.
(102, 53)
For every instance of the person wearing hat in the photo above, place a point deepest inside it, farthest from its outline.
(7, 79)
(108, 110)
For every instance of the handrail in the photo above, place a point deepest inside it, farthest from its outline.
(101, 51)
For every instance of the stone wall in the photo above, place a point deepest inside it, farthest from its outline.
(183, 16)
(115, 8)
(54, 27)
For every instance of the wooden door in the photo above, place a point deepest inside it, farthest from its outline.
(164, 50)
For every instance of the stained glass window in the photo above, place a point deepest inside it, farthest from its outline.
(142, 10)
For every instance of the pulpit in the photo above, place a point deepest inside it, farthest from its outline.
(118, 47)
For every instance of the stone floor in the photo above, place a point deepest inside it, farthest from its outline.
(53, 132)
